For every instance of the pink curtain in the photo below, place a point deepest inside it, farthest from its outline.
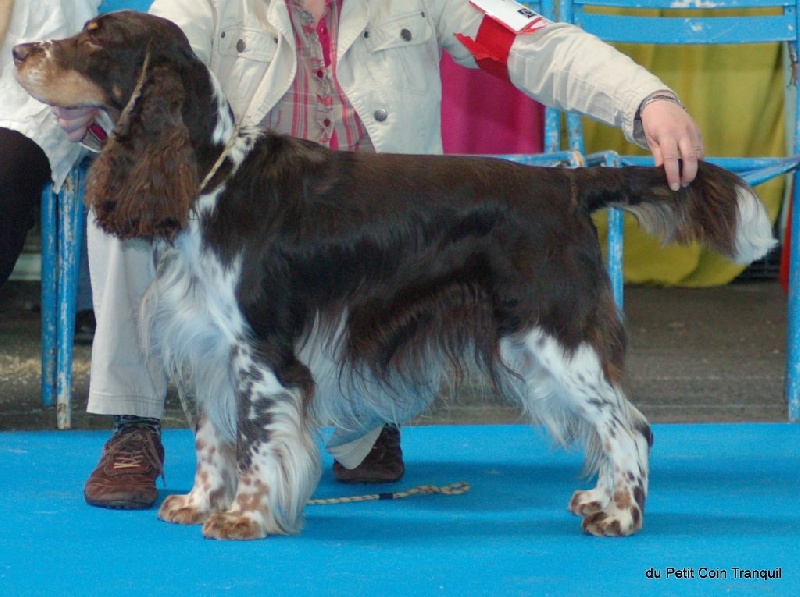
(483, 114)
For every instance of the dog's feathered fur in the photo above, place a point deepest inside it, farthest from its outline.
(301, 285)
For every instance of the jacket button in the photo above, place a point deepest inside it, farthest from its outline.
(405, 34)
(381, 115)
(240, 46)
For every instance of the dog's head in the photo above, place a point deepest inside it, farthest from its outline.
(140, 69)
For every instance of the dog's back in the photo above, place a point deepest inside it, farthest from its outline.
(452, 254)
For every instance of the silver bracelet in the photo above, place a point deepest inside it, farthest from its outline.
(655, 97)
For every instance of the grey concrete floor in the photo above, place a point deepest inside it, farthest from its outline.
(695, 355)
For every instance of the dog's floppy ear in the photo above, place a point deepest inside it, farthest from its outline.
(143, 183)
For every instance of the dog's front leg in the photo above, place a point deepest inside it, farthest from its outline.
(278, 462)
(214, 481)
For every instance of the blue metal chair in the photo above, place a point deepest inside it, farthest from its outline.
(719, 22)
(62, 235)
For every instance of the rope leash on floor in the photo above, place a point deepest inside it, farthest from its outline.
(452, 489)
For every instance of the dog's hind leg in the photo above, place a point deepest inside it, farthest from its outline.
(570, 394)
(277, 458)
(214, 481)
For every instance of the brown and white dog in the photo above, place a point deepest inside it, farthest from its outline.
(303, 286)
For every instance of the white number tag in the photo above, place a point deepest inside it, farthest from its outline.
(517, 17)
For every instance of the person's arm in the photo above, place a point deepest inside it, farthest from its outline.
(580, 72)
(561, 66)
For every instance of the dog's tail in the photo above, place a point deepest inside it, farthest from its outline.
(717, 209)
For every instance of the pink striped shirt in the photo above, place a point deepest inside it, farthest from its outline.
(315, 107)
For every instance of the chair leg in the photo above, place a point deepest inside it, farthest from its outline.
(616, 228)
(49, 290)
(792, 383)
(70, 238)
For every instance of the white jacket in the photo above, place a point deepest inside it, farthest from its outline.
(393, 80)
(35, 20)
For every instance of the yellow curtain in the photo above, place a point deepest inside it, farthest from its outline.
(736, 95)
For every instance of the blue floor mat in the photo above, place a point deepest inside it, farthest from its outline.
(723, 506)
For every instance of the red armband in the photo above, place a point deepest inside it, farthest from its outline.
(501, 24)
(491, 46)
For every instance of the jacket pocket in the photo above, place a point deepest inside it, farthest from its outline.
(403, 48)
(245, 55)
(241, 43)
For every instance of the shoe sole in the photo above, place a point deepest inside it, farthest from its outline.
(120, 504)
(366, 480)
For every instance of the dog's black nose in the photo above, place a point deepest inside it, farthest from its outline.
(22, 51)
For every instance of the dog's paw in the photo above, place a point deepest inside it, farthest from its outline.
(233, 526)
(606, 517)
(179, 510)
(588, 501)
(613, 522)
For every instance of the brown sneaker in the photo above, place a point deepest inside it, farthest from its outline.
(383, 464)
(125, 477)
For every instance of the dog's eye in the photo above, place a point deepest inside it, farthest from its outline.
(91, 40)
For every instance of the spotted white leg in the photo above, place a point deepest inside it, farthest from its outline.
(569, 392)
(277, 458)
(616, 506)
(214, 481)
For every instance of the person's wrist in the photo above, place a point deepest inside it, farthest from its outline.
(658, 96)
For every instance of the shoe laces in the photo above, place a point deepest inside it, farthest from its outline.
(133, 449)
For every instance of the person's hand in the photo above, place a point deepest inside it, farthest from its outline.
(75, 121)
(671, 135)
